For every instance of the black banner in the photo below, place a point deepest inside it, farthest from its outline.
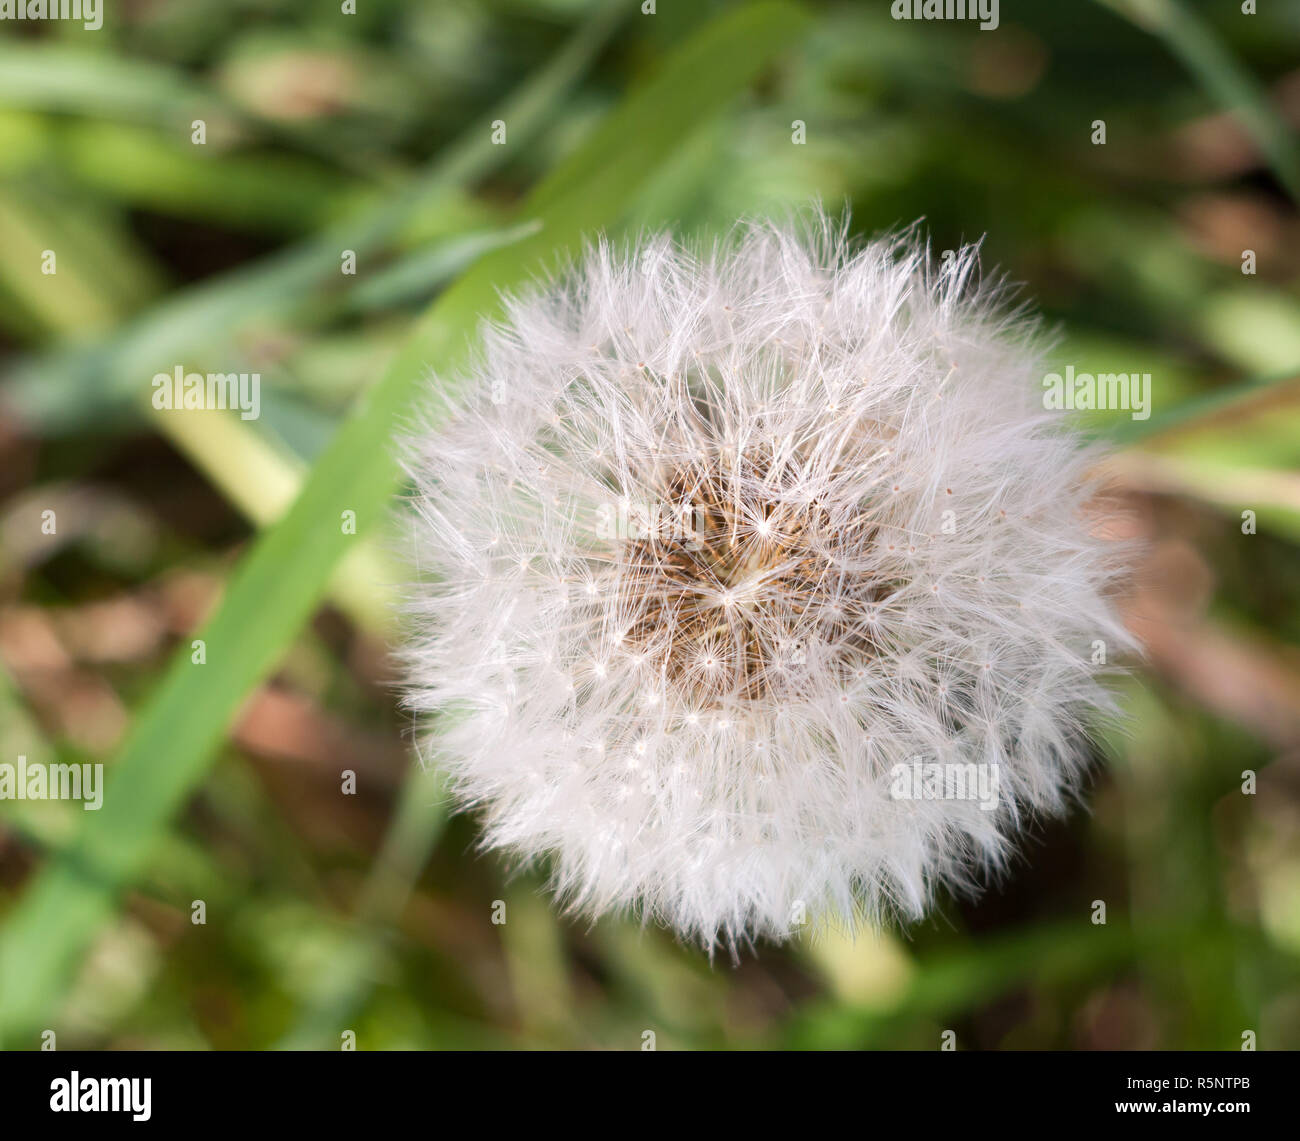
(175, 1090)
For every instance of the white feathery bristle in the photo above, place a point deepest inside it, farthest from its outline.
(718, 541)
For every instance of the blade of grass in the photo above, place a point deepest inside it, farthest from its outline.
(1234, 448)
(1274, 495)
(210, 311)
(1202, 53)
(949, 983)
(418, 274)
(261, 481)
(276, 587)
(100, 276)
(1211, 410)
(54, 77)
(412, 834)
(101, 86)
(275, 193)
(420, 815)
(71, 385)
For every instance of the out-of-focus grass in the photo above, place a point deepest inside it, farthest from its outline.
(373, 134)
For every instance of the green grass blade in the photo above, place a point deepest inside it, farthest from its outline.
(70, 385)
(412, 835)
(1200, 51)
(54, 77)
(277, 586)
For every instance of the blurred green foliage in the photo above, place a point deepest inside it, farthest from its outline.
(372, 132)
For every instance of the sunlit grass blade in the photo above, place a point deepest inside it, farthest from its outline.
(1254, 404)
(99, 275)
(1237, 450)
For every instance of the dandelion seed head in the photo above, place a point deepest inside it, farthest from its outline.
(712, 501)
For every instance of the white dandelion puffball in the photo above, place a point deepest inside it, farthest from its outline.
(757, 585)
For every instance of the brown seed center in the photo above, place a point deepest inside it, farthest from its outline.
(737, 587)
